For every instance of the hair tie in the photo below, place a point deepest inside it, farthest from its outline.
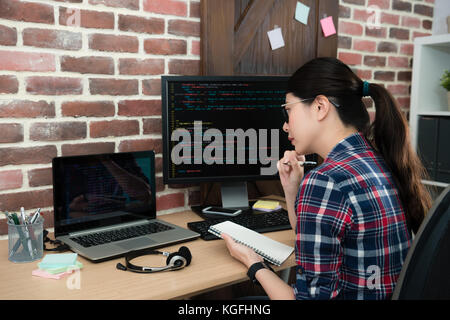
(365, 92)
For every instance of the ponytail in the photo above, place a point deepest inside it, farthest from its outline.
(389, 134)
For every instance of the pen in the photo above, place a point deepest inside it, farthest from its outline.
(10, 219)
(302, 163)
(35, 216)
(27, 232)
(15, 218)
(22, 215)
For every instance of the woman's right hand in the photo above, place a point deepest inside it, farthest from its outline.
(291, 174)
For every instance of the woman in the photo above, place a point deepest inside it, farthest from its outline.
(352, 215)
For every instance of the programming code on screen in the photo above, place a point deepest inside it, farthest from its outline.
(225, 128)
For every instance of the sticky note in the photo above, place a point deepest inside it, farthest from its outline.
(301, 13)
(44, 274)
(264, 204)
(58, 260)
(328, 26)
(276, 38)
(77, 265)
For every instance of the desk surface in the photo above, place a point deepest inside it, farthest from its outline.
(212, 267)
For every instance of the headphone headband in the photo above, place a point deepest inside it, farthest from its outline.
(175, 261)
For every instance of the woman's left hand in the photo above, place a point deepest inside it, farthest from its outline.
(240, 252)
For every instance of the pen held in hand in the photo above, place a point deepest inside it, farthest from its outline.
(302, 163)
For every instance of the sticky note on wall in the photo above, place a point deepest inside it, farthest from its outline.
(328, 26)
(276, 38)
(302, 13)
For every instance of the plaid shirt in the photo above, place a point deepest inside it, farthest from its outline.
(351, 230)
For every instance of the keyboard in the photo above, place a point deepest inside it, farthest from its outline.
(259, 222)
(98, 238)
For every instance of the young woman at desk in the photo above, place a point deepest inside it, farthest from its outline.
(352, 215)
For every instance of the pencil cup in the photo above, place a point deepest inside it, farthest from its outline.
(25, 243)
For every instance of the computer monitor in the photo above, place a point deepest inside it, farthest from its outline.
(224, 129)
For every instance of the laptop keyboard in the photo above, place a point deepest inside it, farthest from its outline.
(94, 239)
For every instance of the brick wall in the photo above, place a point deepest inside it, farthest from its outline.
(83, 76)
(376, 39)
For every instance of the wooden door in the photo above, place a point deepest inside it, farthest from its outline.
(234, 41)
(234, 36)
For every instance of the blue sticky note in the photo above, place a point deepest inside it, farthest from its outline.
(301, 13)
(58, 260)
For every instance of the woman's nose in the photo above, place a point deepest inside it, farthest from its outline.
(286, 127)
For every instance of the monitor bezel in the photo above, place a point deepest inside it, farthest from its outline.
(165, 129)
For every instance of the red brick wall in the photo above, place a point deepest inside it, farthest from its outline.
(83, 76)
(376, 39)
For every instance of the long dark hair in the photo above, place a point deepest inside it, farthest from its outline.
(388, 133)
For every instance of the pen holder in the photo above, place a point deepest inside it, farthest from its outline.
(25, 243)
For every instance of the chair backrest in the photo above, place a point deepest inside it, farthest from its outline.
(425, 272)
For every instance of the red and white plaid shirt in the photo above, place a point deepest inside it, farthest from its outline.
(352, 237)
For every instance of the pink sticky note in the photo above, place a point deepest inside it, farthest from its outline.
(43, 274)
(328, 26)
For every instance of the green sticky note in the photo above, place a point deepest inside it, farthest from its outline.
(301, 13)
(76, 266)
(58, 260)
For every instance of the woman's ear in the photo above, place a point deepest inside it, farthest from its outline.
(323, 107)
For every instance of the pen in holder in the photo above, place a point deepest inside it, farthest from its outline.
(25, 242)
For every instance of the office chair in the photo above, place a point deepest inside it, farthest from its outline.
(425, 272)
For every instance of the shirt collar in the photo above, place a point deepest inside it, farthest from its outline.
(351, 142)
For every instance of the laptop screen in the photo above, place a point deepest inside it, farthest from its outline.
(101, 190)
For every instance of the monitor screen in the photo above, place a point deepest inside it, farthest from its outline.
(226, 128)
(103, 189)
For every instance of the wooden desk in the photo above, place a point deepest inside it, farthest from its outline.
(211, 268)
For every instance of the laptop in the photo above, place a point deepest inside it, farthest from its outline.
(105, 205)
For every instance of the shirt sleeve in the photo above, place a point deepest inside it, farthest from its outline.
(323, 214)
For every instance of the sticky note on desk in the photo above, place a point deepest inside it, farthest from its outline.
(328, 26)
(276, 38)
(47, 275)
(301, 13)
(265, 204)
(58, 260)
(78, 265)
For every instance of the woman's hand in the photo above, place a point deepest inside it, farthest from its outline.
(292, 174)
(290, 177)
(240, 252)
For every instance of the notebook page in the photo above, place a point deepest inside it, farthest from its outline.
(273, 251)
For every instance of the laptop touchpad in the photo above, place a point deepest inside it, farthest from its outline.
(136, 243)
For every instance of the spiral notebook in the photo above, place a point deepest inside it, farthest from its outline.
(273, 251)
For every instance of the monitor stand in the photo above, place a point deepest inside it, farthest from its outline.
(234, 194)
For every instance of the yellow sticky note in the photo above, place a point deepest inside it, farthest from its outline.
(265, 204)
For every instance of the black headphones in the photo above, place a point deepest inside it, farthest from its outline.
(175, 261)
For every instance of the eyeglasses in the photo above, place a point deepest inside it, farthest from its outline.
(286, 113)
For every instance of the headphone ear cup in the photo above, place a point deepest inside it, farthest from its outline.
(184, 252)
(169, 258)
